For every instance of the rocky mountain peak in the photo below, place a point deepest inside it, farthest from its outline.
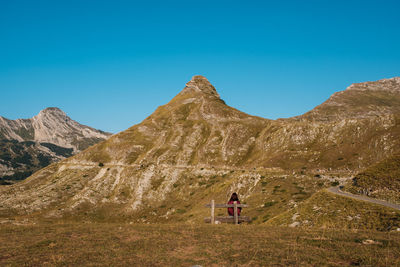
(51, 125)
(52, 113)
(52, 110)
(30, 144)
(200, 84)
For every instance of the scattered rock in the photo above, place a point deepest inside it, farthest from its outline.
(371, 242)
(316, 208)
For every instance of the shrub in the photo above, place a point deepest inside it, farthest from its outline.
(335, 183)
(269, 204)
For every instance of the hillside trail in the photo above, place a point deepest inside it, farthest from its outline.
(142, 166)
(336, 190)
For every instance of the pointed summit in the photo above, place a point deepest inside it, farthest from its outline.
(200, 84)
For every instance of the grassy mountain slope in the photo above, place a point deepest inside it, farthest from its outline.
(330, 211)
(360, 100)
(197, 128)
(196, 148)
(381, 180)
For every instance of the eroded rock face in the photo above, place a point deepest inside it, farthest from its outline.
(196, 138)
(30, 144)
(51, 125)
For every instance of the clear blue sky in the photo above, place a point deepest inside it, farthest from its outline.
(109, 64)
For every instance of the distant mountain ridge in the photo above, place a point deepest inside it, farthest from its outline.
(30, 144)
(51, 125)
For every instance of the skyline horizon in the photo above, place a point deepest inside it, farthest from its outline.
(111, 64)
(66, 112)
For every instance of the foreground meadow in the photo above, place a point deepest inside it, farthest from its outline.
(96, 244)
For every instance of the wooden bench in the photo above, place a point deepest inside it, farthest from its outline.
(232, 219)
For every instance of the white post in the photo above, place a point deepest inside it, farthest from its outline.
(235, 213)
(212, 212)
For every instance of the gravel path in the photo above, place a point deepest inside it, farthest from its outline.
(336, 190)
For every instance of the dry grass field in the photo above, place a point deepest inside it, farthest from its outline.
(96, 244)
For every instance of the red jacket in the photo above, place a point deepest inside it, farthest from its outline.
(231, 210)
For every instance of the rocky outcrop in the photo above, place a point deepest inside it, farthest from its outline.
(200, 84)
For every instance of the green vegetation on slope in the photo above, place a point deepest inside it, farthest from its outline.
(24, 158)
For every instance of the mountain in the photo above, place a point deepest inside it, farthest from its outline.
(196, 148)
(30, 144)
(198, 128)
(53, 126)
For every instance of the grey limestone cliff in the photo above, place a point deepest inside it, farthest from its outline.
(30, 144)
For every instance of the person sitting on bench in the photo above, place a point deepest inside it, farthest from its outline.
(234, 198)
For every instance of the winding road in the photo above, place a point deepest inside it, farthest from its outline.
(336, 190)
